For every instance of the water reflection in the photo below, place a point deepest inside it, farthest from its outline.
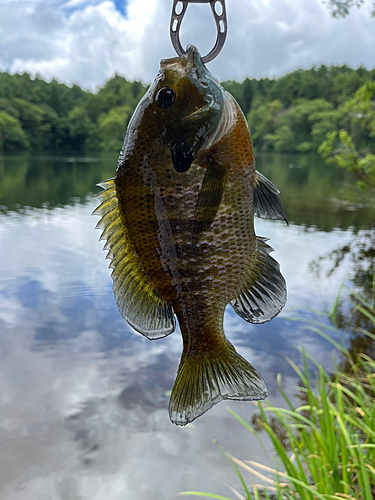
(316, 194)
(83, 405)
(31, 181)
(356, 316)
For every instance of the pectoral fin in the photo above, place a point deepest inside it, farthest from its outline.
(209, 198)
(136, 297)
(267, 204)
(263, 292)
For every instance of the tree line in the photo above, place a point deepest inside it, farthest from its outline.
(328, 109)
(52, 117)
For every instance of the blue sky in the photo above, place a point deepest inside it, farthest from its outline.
(120, 6)
(88, 41)
(70, 6)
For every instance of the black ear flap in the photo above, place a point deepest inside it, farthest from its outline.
(182, 158)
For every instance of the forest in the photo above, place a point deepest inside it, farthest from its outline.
(329, 109)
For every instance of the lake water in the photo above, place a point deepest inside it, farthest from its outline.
(84, 398)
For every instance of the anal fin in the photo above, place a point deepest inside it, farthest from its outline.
(262, 294)
(267, 204)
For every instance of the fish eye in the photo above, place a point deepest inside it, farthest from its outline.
(166, 97)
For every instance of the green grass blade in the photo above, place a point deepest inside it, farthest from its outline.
(205, 495)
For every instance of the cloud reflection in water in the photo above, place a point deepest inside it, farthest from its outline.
(83, 405)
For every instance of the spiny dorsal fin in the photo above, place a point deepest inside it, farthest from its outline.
(136, 297)
(202, 382)
(267, 204)
(209, 198)
(263, 291)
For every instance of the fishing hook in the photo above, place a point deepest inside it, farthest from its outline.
(220, 19)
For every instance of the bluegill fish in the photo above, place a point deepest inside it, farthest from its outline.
(178, 225)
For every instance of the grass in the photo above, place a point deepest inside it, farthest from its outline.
(326, 446)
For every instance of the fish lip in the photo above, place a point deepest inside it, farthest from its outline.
(194, 60)
(191, 59)
(193, 56)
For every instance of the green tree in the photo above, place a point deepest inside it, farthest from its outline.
(81, 128)
(116, 92)
(237, 91)
(11, 134)
(262, 120)
(56, 117)
(353, 147)
(249, 90)
(293, 130)
(322, 122)
(112, 127)
(32, 118)
(341, 8)
(7, 106)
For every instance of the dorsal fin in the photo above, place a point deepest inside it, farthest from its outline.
(267, 204)
(136, 297)
(262, 294)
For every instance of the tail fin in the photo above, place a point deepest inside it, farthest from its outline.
(202, 382)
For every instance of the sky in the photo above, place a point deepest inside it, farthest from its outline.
(88, 41)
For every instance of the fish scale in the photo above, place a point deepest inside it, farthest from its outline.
(178, 220)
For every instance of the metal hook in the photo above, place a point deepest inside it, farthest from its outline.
(221, 26)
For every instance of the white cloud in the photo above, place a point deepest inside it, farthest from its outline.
(86, 42)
